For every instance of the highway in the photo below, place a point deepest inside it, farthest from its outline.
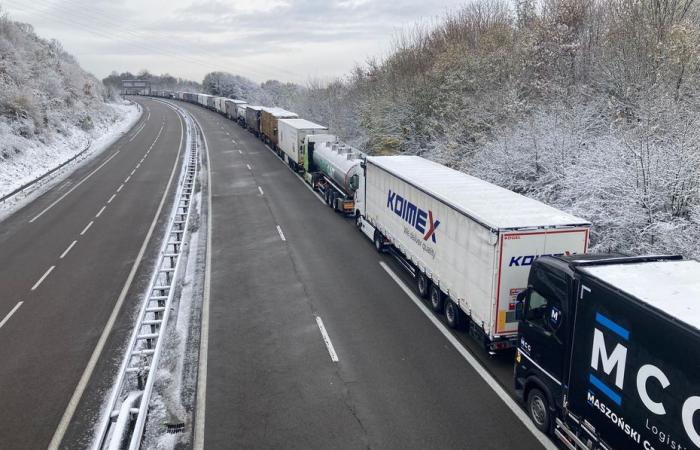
(284, 270)
(69, 276)
(314, 340)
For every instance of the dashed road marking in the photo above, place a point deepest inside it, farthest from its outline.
(87, 227)
(43, 277)
(65, 252)
(327, 339)
(99, 213)
(248, 166)
(126, 180)
(111, 198)
(121, 186)
(279, 230)
(7, 317)
(261, 191)
(240, 151)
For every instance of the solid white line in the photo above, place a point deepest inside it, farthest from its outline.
(7, 317)
(87, 227)
(200, 410)
(261, 191)
(99, 213)
(248, 166)
(87, 373)
(43, 277)
(111, 198)
(279, 230)
(478, 368)
(74, 187)
(121, 186)
(327, 339)
(65, 252)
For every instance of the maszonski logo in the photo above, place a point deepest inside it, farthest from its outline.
(413, 215)
(616, 361)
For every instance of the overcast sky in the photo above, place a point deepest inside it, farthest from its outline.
(289, 40)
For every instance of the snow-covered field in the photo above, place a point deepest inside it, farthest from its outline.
(37, 157)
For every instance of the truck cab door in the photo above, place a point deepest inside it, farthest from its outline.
(543, 329)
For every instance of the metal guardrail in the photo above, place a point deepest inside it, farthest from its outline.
(124, 420)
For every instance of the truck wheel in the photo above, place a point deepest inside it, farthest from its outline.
(538, 409)
(379, 241)
(436, 299)
(358, 221)
(423, 285)
(452, 314)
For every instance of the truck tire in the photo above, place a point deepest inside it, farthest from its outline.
(436, 299)
(453, 314)
(358, 221)
(423, 284)
(378, 241)
(538, 410)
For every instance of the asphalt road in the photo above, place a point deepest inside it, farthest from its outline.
(281, 259)
(66, 257)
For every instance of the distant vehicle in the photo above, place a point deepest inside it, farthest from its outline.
(269, 126)
(469, 243)
(252, 118)
(290, 139)
(335, 170)
(609, 351)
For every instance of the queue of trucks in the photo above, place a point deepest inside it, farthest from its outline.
(607, 347)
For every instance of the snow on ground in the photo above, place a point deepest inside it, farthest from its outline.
(40, 156)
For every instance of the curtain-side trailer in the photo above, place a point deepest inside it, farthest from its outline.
(290, 138)
(468, 242)
(609, 351)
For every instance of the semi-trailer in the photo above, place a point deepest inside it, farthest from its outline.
(252, 118)
(468, 243)
(335, 170)
(220, 105)
(290, 139)
(268, 124)
(232, 108)
(608, 352)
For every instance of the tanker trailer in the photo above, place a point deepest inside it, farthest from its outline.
(334, 169)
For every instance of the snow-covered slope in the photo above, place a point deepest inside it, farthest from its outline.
(50, 108)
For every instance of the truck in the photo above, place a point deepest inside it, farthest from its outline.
(232, 108)
(608, 351)
(252, 118)
(220, 105)
(240, 114)
(335, 170)
(468, 243)
(290, 138)
(268, 124)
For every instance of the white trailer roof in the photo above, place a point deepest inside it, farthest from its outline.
(279, 112)
(254, 107)
(670, 286)
(491, 205)
(303, 124)
(238, 102)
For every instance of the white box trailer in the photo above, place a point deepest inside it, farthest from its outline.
(220, 105)
(232, 107)
(290, 138)
(203, 99)
(469, 243)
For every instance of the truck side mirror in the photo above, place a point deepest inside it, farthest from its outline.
(520, 304)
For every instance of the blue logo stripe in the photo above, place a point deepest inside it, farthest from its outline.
(604, 389)
(612, 326)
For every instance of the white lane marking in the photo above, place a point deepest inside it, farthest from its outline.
(7, 317)
(99, 213)
(87, 373)
(279, 230)
(111, 198)
(43, 277)
(200, 410)
(248, 166)
(126, 180)
(65, 252)
(74, 187)
(261, 191)
(87, 227)
(327, 339)
(228, 134)
(121, 186)
(478, 368)
(233, 141)
(134, 170)
(240, 151)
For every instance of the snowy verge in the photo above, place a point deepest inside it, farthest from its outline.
(40, 157)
